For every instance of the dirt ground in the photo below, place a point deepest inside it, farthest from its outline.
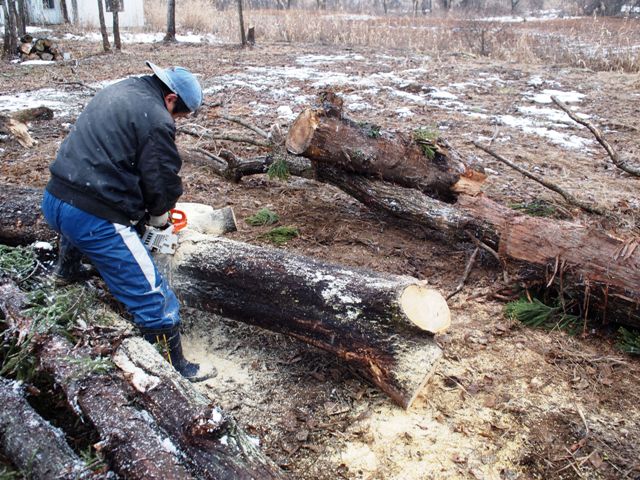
(506, 402)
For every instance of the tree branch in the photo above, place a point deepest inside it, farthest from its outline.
(545, 183)
(613, 155)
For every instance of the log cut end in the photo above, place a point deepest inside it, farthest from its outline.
(426, 308)
(469, 183)
(205, 219)
(301, 132)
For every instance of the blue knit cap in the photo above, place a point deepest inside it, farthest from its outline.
(181, 82)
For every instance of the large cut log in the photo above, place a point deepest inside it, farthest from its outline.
(213, 445)
(32, 443)
(377, 322)
(382, 324)
(135, 446)
(328, 138)
(179, 423)
(598, 270)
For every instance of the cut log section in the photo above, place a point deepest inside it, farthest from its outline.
(381, 324)
(134, 445)
(32, 443)
(213, 445)
(329, 139)
(598, 270)
(21, 221)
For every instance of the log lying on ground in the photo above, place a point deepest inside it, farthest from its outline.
(131, 441)
(378, 323)
(21, 221)
(155, 415)
(329, 139)
(600, 271)
(32, 443)
(135, 446)
(213, 445)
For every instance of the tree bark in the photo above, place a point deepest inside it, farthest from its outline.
(243, 38)
(22, 222)
(135, 447)
(603, 272)
(116, 25)
(171, 21)
(329, 139)
(10, 45)
(32, 443)
(376, 322)
(65, 11)
(106, 46)
(213, 444)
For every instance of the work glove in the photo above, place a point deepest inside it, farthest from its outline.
(159, 221)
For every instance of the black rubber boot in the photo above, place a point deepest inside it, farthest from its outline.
(171, 343)
(69, 268)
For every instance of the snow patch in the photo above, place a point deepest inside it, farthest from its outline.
(528, 125)
(43, 246)
(325, 59)
(404, 112)
(168, 446)
(38, 62)
(286, 113)
(566, 97)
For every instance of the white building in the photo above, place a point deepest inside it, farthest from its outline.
(83, 12)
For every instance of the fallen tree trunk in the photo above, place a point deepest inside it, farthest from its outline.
(32, 443)
(212, 443)
(155, 415)
(21, 221)
(598, 272)
(136, 448)
(378, 323)
(423, 162)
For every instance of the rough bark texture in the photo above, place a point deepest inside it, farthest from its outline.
(445, 220)
(21, 221)
(134, 445)
(213, 445)
(32, 443)
(355, 314)
(329, 139)
(574, 257)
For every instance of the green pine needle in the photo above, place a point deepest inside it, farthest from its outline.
(279, 169)
(262, 217)
(539, 315)
(17, 263)
(281, 235)
(629, 341)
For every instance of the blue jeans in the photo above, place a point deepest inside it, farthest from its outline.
(122, 260)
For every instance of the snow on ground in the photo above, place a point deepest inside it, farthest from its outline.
(131, 37)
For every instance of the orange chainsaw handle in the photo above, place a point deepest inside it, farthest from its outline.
(178, 219)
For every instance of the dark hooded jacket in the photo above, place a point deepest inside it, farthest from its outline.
(120, 161)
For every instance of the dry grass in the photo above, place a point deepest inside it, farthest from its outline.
(599, 44)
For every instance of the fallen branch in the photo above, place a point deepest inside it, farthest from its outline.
(245, 124)
(31, 443)
(545, 183)
(205, 133)
(465, 275)
(613, 155)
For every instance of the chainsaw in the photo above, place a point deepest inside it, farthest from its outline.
(165, 239)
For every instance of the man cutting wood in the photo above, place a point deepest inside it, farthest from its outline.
(115, 172)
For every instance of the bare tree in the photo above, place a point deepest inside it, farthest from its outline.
(103, 28)
(514, 5)
(10, 46)
(171, 21)
(21, 18)
(65, 11)
(115, 8)
(74, 9)
(243, 37)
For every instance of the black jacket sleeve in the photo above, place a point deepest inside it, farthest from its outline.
(159, 164)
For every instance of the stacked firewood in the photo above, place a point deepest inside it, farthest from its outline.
(39, 49)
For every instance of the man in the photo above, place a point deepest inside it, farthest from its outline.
(117, 170)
